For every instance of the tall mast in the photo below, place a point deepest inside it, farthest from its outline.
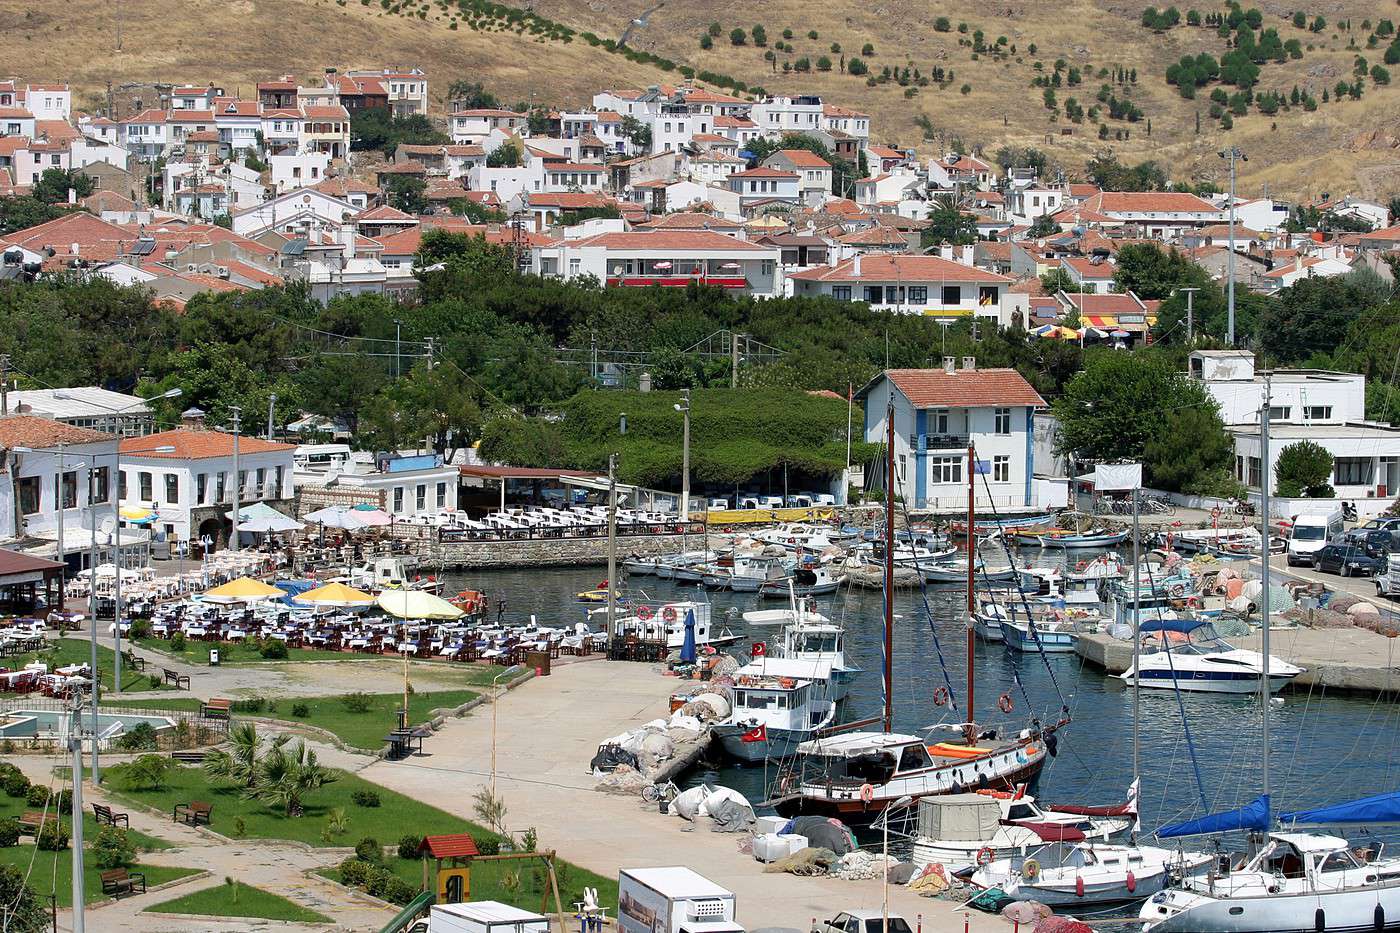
(1137, 633)
(971, 577)
(1264, 565)
(889, 565)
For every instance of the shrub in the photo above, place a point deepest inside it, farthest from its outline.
(787, 33)
(1303, 469)
(737, 36)
(364, 798)
(760, 35)
(398, 891)
(37, 795)
(376, 880)
(856, 67)
(867, 50)
(301, 710)
(153, 681)
(706, 42)
(715, 29)
(965, 89)
(812, 34)
(140, 629)
(148, 772)
(141, 737)
(356, 702)
(16, 784)
(408, 847)
(113, 848)
(353, 871)
(9, 833)
(823, 63)
(368, 849)
(177, 642)
(53, 837)
(942, 24)
(250, 705)
(273, 650)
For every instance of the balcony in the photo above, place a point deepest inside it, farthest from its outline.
(944, 441)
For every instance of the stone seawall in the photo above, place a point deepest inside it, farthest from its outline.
(477, 555)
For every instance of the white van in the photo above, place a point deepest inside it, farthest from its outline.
(1311, 532)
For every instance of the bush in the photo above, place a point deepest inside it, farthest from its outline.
(856, 67)
(113, 848)
(53, 837)
(1303, 469)
(301, 710)
(737, 36)
(153, 681)
(364, 798)
(706, 42)
(812, 34)
(141, 737)
(273, 650)
(867, 50)
(408, 847)
(376, 880)
(9, 833)
(177, 642)
(16, 784)
(141, 628)
(398, 891)
(251, 705)
(353, 871)
(356, 702)
(368, 849)
(37, 795)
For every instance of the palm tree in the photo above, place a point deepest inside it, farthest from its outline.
(285, 775)
(239, 765)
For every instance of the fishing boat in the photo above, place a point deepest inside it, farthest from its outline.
(794, 536)
(750, 572)
(1069, 540)
(1187, 654)
(985, 527)
(654, 622)
(639, 566)
(961, 831)
(809, 636)
(855, 775)
(955, 571)
(1088, 874)
(1055, 636)
(807, 580)
(779, 703)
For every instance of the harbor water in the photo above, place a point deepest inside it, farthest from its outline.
(1326, 748)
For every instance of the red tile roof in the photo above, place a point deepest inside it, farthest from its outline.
(706, 240)
(456, 845)
(34, 431)
(1103, 304)
(801, 158)
(190, 444)
(902, 268)
(938, 388)
(568, 200)
(1145, 202)
(689, 220)
(1087, 269)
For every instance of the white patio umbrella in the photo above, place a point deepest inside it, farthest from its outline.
(271, 525)
(336, 517)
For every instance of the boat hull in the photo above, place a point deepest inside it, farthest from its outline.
(1051, 642)
(1205, 681)
(745, 584)
(986, 629)
(781, 743)
(1356, 910)
(639, 568)
(780, 590)
(1067, 895)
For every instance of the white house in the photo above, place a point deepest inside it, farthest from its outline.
(145, 135)
(89, 407)
(408, 486)
(673, 126)
(407, 87)
(813, 173)
(956, 170)
(1263, 214)
(295, 213)
(765, 184)
(1090, 276)
(843, 120)
(506, 183)
(190, 488)
(297, 169)
(930, 285)
(886, 187)
(16, 121)
(1160, 214)
(574, 176)
(668, 258)
(1025, 204)
(1373, 213)
(775, 116)
(938, 414)
(1303, 267)
(55, 102)
(473, 126)
(715, 167)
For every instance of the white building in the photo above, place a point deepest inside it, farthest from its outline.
(930, 285)
(765, 184)
(55, 102)
(297, 170)
(1160, 214)
(673, 126)
(775, 116)
(296, 213)
(89, 407)
(669, 258)
(938, 413)
(1303, 267)
(473, 126)
(406, 486)
(190, 488)
(813, 173)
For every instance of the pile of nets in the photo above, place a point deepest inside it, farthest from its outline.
(822, 832)
(863, 866)
(622, 780)
(932, 881)
(728, 810)
(1053, 924)
(808, 861)
(653, 743)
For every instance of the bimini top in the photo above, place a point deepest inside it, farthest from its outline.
(1184, 626)
(1382, 808)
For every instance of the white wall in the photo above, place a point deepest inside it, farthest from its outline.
(299, 170)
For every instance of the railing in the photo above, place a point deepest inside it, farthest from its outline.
(629, 530)
(946, 441)
(217, 729)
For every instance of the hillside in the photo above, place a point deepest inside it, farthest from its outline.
(1347, 146)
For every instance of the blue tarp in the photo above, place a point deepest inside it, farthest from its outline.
(1382, 808)
(1253, 815)
(1171, 625)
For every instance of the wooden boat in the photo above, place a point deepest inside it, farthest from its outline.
(1069, 540)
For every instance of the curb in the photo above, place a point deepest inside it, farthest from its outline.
(357, 893)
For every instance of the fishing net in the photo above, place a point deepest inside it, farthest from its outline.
(863, 866)
(807, 861)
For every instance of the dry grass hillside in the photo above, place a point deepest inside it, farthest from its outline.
(1352, 146)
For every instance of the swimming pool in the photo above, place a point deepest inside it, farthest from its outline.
(49, 724)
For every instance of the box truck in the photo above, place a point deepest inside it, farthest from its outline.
(673, 900)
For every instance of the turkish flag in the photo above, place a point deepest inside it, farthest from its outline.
(758, 650)
(756, 734)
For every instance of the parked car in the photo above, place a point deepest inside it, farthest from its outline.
(860, 921)
(1375, 539)
(1348, 559)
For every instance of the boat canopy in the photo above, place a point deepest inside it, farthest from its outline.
(1382, 808)
(1253, 815)
(959, 817)
(1054, 832)
(1184, 626)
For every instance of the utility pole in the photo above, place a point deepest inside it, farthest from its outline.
(1232, 155)
(398, 360)
(92, 614)
(612, 547)
(1190, 315)
(4, 384)
(271, 410)
(237, 480)
(75, 746)
(684, 409)
(428, 351)
(59, 505)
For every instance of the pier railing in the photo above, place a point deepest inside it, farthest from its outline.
(630, 530)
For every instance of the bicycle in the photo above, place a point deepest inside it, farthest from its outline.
(656, 793)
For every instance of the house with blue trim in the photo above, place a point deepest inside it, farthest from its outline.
(938, 415)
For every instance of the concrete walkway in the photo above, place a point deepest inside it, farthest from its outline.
(549, 728)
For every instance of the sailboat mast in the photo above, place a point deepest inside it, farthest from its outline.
(889, 564)
(971, 579)
(1264, 568)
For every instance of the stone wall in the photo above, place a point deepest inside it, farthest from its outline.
(473, 555)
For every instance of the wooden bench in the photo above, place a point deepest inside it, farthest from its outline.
(189, 757)
(177, 680)
(31, 820)
(216, 708)
(134, 661)
(110, 817)
(194, 813)
(119, 881)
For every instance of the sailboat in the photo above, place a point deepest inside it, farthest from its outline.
(855, 775)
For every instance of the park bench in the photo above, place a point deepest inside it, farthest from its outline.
(119, 881)
(194, 813)
(188, 757)
(216, 708)
(107, 815)
(31, 820)
(134, 661)
(176, 679)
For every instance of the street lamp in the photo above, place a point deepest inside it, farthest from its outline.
(1190, 293)
(899, 804)
(1231, 155)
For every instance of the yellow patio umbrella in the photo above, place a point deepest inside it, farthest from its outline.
(243, 590)
(335, 594)
(417, 604)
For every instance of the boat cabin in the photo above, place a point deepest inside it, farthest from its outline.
(778, 702)
(665, 621)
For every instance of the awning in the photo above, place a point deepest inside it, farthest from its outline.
(1054, 832)
(255, 510)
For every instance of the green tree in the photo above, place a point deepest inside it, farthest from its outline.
(1043, 226)
(948, 224)
(527, 442)
(471, 95)
(375, 128)
(1300, 19)
(1057, 280)
(716, 29)
(868, 50)
(238, 764)
(506, 155)
(637, 133)
(1192, 453)
(406, 193)
(942, 24)
(436, 404)
(1152, 273)
(1303, 468)
(737, 36)
(760, 35)
(285, 775)
(55, 183)
(23, 211)
(706, 42)
(856, 66)
(23, 911)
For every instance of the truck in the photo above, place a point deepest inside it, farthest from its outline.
(481, 917)
(673, 900)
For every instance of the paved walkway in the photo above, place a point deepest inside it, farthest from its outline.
(548, 730)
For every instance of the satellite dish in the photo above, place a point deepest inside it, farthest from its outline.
(108, 525)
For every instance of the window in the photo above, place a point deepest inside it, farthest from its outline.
(68, 483)
(442, 495)
(1280, 412)
(201, 486)
(277, 482)
(575, 267)
(946, 469)
(938, 421)
(144, 484)
(420, 498)
(261, 479)
(952, 294)
(1253, 471)
(29, 495)
(874, 294)
(1003, 421)
(1317, 412)
(398, 499)
(768, 268)
(221, 487)
(918, 294)
(1001, 469)
(1353, 471)
(101, 485)
(242, 481)
(172, 488)
(986, 295)
(121, 485)
(841, 292)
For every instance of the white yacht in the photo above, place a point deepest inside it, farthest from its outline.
(1089, 874)
(795, 535)
(779, 703)
(809, 636)
(811, 579)
(1187, 654)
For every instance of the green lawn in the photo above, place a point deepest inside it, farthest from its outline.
(65, 651)
(239, 900)
(49, 874)
(15, 806)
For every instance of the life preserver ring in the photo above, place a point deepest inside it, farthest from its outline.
(867, 793)
(644, 613)
(1005, 703)
(1178, 589)
(985, 855)
(1215, 514)
(669, 613)
(940, 696)
(1081, 565)
(1030, 869)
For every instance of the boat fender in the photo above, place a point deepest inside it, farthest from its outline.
(1378, 919)
(985, 855)
(1030, 869)
(1005, 703)
(1132, 883)
(1320, 920)
(1079, 886)
(940, 696)
(1052, 744)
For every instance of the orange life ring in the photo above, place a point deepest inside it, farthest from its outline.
(1081, 565)
(940, 696)
(1032, 751)
(1005, 703)
(867, 793)
(644, 613)
(669, 613)
(985, 855)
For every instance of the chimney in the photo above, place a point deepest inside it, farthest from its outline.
(1297, 262)
(347, 240)
(946, 251)
(969, 364)
(967, 255)
(72, 196)
(855, 266)
(74, 248)
(950, 364)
